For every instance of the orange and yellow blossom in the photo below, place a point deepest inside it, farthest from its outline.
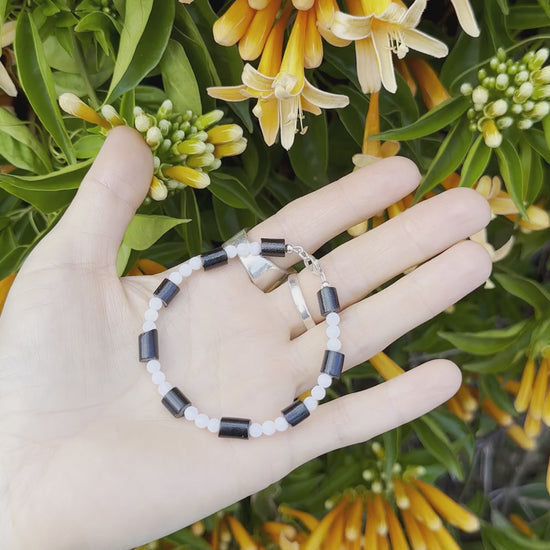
(279, 83)
(384, 27)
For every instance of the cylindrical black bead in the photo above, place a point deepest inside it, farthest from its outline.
(273, 247)
(234, 427)
(333, 361)
(295, 413)
(148, 345)
(176, 402)
(214, 258)
(166, 291)
(328, 300)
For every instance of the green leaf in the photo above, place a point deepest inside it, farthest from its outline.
(537, 140)
(508, 538)
(127, 104)
(353, 116)
(122, 258)
(19, 146)
(525, 289)
(102, 25)
(232, 192)
(189, 540)
(475, 162)
(535, 177)
(309, 154)
(179, 80)
(37, 82)
(448, 157)
(524, 17)
(144, 230)
(486, 342)
(434, 120)
(49, 192)
(12, 261)
(511, 172)
(546, 129)
(499, 362)
(144, 37)
(192, 230)
(503, 5)
(490, 387)
(436, 442)
(88, 146)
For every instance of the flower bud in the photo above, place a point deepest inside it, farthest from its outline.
(504, 122)
(376, 487)
(165, 146)
(164, 126)
(523, 93)
(156, 163)
(191, 147)
(368, 475)
(230, 149)
(539, 59)
(73, 105)
(516, 109)
(491, 135)
(472, 127)
(521, 77)
(138, 111)
(178, 135)
(224, 133)
(529, 105)
(154, 137)
(496, 108)
(214, 165)
(481, 74)
(198, 161)
(541, 76)
(471, 114)
(208, 119)
(142, 122)
(501, 54)
(494, 63)
(540, 110)
(466, 88)
(158, 191)
(480, 95)
(525, 124)
(210, 147)
(502, 68)
(510, 91)
(165, 109)
(189, 176)
(542, 92)
(501, 81)
(111, 114)
(489, 82)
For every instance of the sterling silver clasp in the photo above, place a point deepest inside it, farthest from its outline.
(309, 262)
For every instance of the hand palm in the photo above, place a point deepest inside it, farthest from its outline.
(83, 429)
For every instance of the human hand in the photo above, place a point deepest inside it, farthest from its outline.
(90, 458)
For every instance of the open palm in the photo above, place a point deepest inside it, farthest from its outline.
(90, 458)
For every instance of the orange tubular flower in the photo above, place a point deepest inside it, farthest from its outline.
(397, 537)
(313, 52)
(518, 435)
(371, 537)
(243, 538)
(354, 518)
(413, 531)
(380, 515)
(5, 285)
(421, 509)
(318, 535)
(502, 418)
(233, 24)
(73, 105)
(386, 367)
(521, 525)
(433, 91)
(311, 522)
(448, 509)
(540, 386)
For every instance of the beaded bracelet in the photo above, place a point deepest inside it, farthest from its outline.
(179, 405)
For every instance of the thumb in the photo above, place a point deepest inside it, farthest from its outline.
(92, 228)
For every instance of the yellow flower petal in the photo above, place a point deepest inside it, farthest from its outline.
(540, 386)
(433, 91)
(350, 27)
(232, 25)
(521, 525)
(466, 16)
(375, 6)
(254, 39)
(8, 33)
(382, 47)
(243, 538)
(502, 418)
(189, 176)
(224, 133)
(467, 400)
(268, 115)
(5, 285)
(538, 219)
(532, 426)
(325, 100)
(354, 519)
(158, 190)
(303, 4)
(518, 435)
(491, 135)
(368, 71)
(228, 93)
(413, 531)
(270, 62)
(429, 536)
(397, 537)
(371, 537)
(448, 509)
(380, 515)
(313, 52)
(446, 541)
(317, 536)
(311, 522)
(424, 43)
(230, 149)
(73, 105)
(421, 509)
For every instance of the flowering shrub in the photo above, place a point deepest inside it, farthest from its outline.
(461, 88)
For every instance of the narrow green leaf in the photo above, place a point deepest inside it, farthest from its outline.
(511, 172)
(436, 442)
(524, 17)
(448, 157)
(506, 539)
(127, 104)
(179, 80)
(145, 230)
(525, 289)
(309, 154)
(433, 120)
(233, 193)
(485, 342)
(37, 82)
(503, 5)
(353, 116)
(537, 140)
(546, 129)
(189, 540)
(12, 261)
(88, 146)
(475, 162)
(141, 49)
(535, 178)
(192, 230)
(49, 192)
(494, 364)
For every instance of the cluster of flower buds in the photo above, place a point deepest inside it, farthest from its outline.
(185, 146)
(510, 93)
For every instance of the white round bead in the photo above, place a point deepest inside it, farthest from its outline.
(281, 424)
(191, 413)
(243, 249)
(195, 263)
(164, 388)
(185, 270)
(176, 277)
(333, 319)
(158, 377)
(318, 392)
(255, 429)
(333, 331)
(255, 248)
(231, 250)
(153, 366)
(268, 427)
(310, 403)
(151, 315)
(214, 425)
(148, 325)
(201, 421)
(334, 344)
(155, 303)
(324, 380)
